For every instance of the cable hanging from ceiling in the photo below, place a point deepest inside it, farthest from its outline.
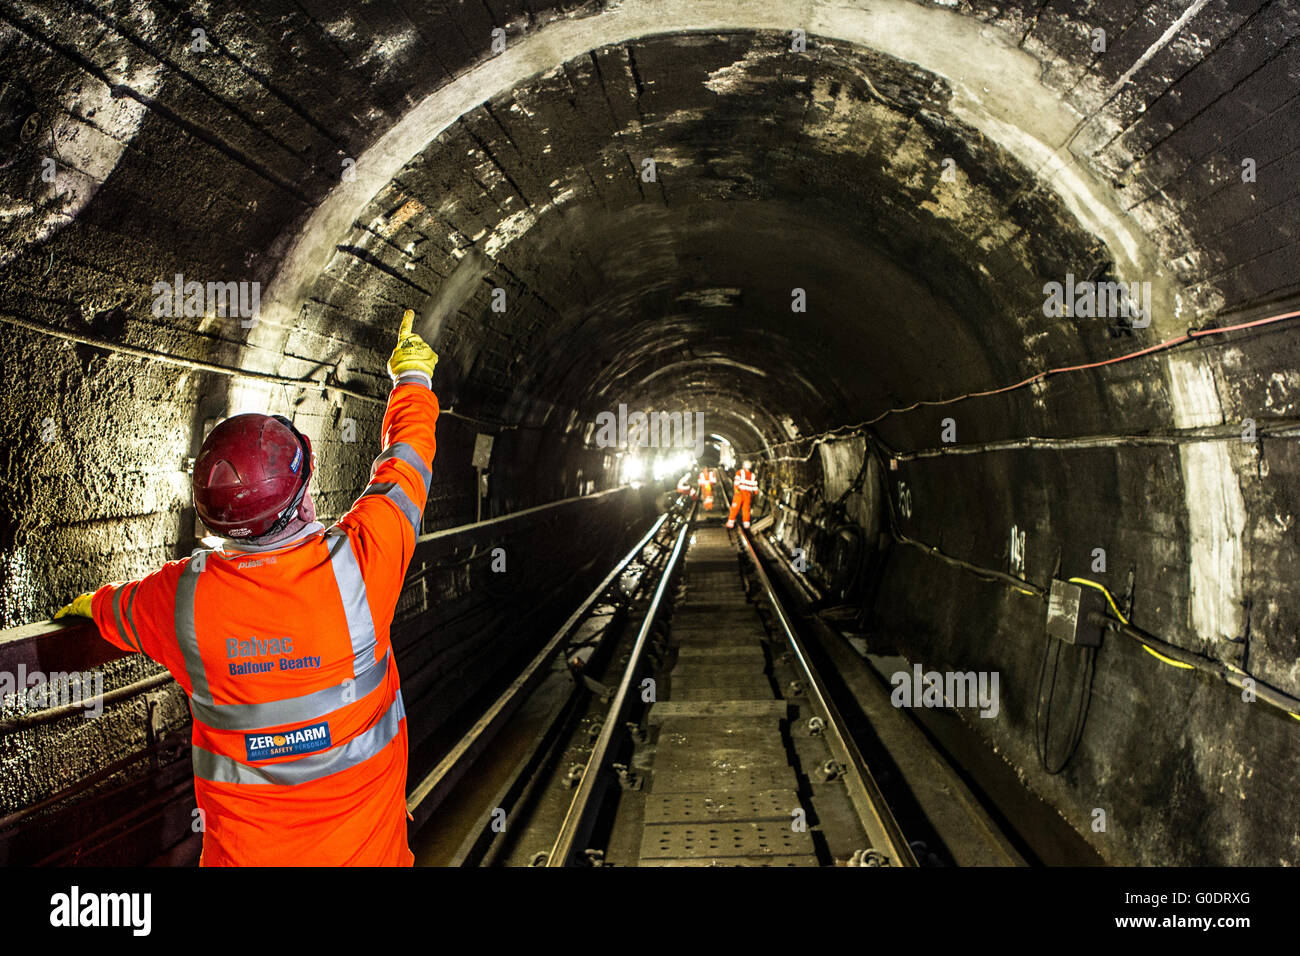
(861, 428)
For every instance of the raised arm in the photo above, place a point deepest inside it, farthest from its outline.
(385, 521)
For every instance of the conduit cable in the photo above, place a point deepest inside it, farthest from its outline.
(1146, 647)
(1189, 336)
(1168, 653)
(1281, 427)
(196, 365)
(1104, 590)
(1159, 649)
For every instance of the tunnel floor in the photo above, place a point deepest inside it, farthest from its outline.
(730, 764)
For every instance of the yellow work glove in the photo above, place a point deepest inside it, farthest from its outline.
(80, 607)
(411, 354)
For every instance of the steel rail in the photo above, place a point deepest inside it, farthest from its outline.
(578, 817)
(431, 791)
(475, 528)
(882, 829)
(479, 848)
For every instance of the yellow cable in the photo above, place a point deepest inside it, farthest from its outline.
(1168, 660)
(1102, 588)
(1119, 614)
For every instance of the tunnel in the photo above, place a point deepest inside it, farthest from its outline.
(872, 247)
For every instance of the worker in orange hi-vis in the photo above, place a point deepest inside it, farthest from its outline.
(280, 637)
(708, 478)
(744, 487)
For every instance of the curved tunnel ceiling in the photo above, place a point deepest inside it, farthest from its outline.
(772, 172)
(823, 170)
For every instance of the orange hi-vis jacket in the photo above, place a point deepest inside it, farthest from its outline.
(708, 478)
(299, 739)
(744, 487)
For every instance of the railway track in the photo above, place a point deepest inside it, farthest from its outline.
(750, 763)
(676, 719)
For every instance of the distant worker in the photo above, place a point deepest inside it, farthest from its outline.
(708, 478)
(685, 486)
(744, 487)
(280, 637)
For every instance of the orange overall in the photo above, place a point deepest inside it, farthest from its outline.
(708, 478)
(743, 489)
(299, 739)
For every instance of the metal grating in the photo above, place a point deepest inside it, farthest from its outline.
(720, 840)
(678, 750)
(738, 861)
(778, 805)
(723, 779)
(667, 709)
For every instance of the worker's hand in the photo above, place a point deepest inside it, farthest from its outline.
(411, 354)
(80, 607)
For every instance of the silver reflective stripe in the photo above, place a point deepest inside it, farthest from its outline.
(361, 634)
(130, 619)
(219, 769)
(352, 589)
(398, 496)
(187, 637)
(117, 616)
(417, 377)
(292, 710)
(404, 452)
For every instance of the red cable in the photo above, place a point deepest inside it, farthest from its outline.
(1168, 343)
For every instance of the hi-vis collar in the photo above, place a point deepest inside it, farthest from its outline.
(230, 548)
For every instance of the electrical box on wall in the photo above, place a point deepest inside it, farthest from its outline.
(1069, 608)
(482, 451)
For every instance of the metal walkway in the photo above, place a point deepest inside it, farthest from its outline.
(722, 787)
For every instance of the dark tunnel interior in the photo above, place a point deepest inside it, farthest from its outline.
(829, 227)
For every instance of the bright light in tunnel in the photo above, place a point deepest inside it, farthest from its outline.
(671, 466)
(633, 469)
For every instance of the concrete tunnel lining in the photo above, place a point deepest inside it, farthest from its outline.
(937, 40)
(998, 91)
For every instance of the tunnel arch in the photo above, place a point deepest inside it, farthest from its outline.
(1032, 127)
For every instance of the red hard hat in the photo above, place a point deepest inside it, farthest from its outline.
(251, 475)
